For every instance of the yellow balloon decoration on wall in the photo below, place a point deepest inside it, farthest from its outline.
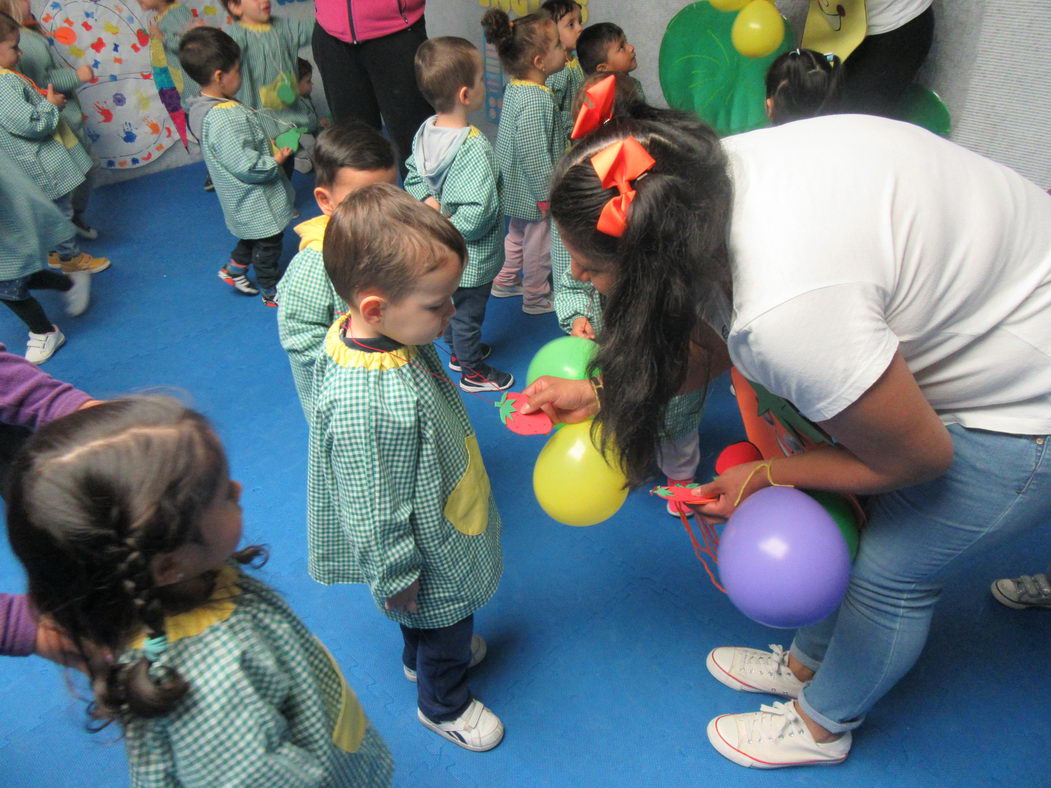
(573, 482)
(729, 5)
(523, 7)
(758, 29)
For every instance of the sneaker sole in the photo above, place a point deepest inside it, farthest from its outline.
(88, 270)
(456, 740)
(731, 753)
(723, 677)
(1008, 602)
(458, 368)
(476, 389)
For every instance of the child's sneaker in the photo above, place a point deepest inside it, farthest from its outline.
(542, 307)
(53, 260)
(41, 347)
(84, 262)
(240, 282)
(1022, 592)
(208, 185)
(677, 508)
(477, 729)
(84, 230)
(78, 296)
(454, 362)
(506, 292)
(478, 652)
(486, 379)
(752, 670)
(269, 296)
(302, 164)
(773, 737)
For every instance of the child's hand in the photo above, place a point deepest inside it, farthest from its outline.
(155, 29)
(404, 600)
(582, 328)
(55, 98)
(85, 73)
(282, 155)
(433, 203)
(325, 122)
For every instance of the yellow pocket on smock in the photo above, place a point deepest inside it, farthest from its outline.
(468, 505)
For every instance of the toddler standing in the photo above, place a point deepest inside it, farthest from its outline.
(565, 84)
(530, 139)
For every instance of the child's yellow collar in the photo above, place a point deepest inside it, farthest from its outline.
(338, 351)
(257, 27)
(219, 607)
(526, 82)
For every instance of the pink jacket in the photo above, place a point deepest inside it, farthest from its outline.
(361, 20)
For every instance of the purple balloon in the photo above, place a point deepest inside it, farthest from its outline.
(783, 560)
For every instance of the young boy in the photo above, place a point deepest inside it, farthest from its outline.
(397, 492)
(565, 84)
(603, 47)
(255, 195)
(452, 169)
(348, 156)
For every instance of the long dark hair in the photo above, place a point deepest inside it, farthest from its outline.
(674, 253)
(94, 497)
(802, 84)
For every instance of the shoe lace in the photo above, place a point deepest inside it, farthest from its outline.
(1035, 587)
(773, 664)
(774, 722)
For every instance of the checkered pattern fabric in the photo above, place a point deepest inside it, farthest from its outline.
(470, 197)
(39, 63)
(268, 67)
(30, 225)
(396, 487)
(564, 87)
(174, 20)
(267, 706)
(31, 136)
(254, 193)
(529, 140)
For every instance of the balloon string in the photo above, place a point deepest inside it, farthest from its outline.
(711, 542)
(769, 477)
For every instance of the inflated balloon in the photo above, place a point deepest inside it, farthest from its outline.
(572, 480)
(758, 29)
(565, 357)
(782, 559)
(729, 5)
(925, 108)
(840, 510)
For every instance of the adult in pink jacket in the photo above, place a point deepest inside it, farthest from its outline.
(364, 50)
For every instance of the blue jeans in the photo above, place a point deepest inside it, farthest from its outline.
(998, 486)
(68, 249)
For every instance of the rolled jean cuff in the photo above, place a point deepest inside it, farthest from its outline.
(828, 724)
(804, 659)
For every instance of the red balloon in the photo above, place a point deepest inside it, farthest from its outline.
(736, 454)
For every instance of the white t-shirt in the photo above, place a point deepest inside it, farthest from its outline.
(853, 236)
(886, 15)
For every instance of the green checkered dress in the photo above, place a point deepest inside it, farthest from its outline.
(529, 140)
(38, 62)
(306, 306)
(470, 197)
(174, 21)
(267, 704)
(268, 68)
(564, 87)
(254, 193)
(30, 225)
(396, 487)
(33, 136)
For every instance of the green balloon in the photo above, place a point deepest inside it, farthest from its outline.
(924, 107)
(702, 72)
(565, 357)
(842, 512)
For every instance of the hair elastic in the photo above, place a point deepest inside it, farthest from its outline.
(155, 645)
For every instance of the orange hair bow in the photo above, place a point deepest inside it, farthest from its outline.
(617, 165)
(597, 107)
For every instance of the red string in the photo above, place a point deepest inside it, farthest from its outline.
(711, 544)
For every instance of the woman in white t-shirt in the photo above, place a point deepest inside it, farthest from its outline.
(896, 289)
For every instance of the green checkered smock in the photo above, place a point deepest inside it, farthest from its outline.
(396, 487)
(470, 197)
(564, 88)
(267, 704)
(254, 193)
(174, 20)
(268, 68)
(306, 306)
(30, 225)
(529, 140)
(38, 62)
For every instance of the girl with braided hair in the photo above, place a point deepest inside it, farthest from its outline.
(127, 523)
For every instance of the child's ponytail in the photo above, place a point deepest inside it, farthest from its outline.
(802, 84)
(517, 42)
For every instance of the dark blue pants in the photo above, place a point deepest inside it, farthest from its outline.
(263, 254)
(464, 334)
(440, 658)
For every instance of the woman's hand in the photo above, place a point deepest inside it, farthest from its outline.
(748, 477)
(568, 401)
(582, 328)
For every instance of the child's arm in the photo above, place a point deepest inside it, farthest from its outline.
(234, 140)
(535, 127)
(414, 183)
(574, 302)
(300, 32)
(25, 113)
(469, 195)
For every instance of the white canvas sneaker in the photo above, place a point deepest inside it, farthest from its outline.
(772, 738)
(477, 729)
(478, 652)
(752, 670)
(78, 296)
(41, 347)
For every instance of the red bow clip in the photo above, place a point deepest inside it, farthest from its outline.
(597, 107)
(617, 165)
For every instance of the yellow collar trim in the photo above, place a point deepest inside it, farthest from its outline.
(346, 357)
(219, 607)
(312, 232)
(474, 132)
(257, 27)
(526, 82)
(167, 8)
(573, 64)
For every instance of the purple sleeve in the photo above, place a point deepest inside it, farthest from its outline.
(17, 626)
(31, 398)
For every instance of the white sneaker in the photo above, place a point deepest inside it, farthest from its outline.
(41, 347)
(239, 282)
(79, 295)
(772, 738)
(478, 652)
(751, 670)
(477, 729)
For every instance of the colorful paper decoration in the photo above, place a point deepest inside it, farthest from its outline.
(835, 26)
(538, 423)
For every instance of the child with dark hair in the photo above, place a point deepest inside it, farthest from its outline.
(452, 169)
(397, 492)
(255, 195)
(604, 47)
(347, 156)
(530, 139)
(127, 523)
(565, 84)
(802, 84)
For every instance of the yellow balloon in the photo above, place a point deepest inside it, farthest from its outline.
(758, 29)
(573, 482)
(729, 5)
